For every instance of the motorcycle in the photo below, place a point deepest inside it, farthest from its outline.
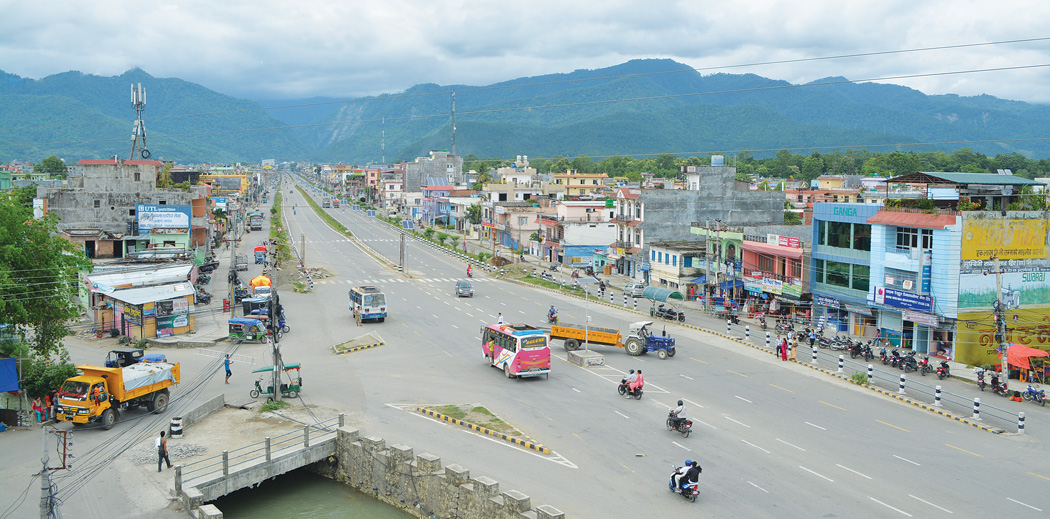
(999, 388)
(684, 425)
(625, 390)
(1032, 394)
(552, 318)
(856, 349)
(980, 378)
(783, 328)
(691, 491)
(669, 313)
(942, 370)
(908, 362)
(470, 273)
(883, 357)
(823, 342)
(762, 321)
(895, 358)
(841, 344)
(554, 267)
(924, 368)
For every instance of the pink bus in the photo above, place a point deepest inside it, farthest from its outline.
(521, 350)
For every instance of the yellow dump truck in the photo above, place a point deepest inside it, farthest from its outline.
(99, 394)
(575, 334)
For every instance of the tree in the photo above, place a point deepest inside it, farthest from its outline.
(52, 165)
(474, 214)
(38, 277)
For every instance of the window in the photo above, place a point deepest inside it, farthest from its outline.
(901, 279)
(907, 238)
(927, 239)
(862, 236)
(839, 234)
(131, 212)
(765, 263)
(138, 176)
(674, 260)
(98, 204)
(861, 273)
(796, 269)
(837, 274)
(822, 229)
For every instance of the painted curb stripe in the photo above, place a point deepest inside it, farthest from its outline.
(359, 348)
(529, 445)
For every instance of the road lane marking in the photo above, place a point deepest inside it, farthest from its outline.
(741, 374)
(1038, 476)
(756, 446)
(682, 446)
(447, 353)
(741, 423)
(816, 473)
(905, 459)
(469, 315)
(454, 326)
(560, 460)
(783, 389)
(1023, 504)
(853, 471)
(832, 405)
(626, 467)
(890, 507)
(698, 360)
(891, 425)
(683, 376)
(705, 423)
(758, 487)
(964, 450)
(815, 425)
(435, 317)
(744, 399)
(576, 390)
(929, 503)
(418, 308)
(623, 415)
(577, 435)
(791, 445)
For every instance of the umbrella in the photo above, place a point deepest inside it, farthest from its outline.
(260, 281)
(1018, 355)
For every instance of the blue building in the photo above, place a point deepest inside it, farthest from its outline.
(840, 264)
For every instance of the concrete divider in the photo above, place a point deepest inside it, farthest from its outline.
(205, 409)
(586, 358)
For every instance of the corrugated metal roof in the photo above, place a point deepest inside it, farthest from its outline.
(773, 250)
(142, 278)
(987, 179)
(138, 296)
(919, 220)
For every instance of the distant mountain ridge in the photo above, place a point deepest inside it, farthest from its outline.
(640, 107)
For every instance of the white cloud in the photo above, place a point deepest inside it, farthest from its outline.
(275, 49)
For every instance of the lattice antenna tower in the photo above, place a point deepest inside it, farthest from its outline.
(138, 100)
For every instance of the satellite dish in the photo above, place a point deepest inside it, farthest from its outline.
(1007, 191)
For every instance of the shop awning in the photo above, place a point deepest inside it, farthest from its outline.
(772, 250)
(700, 280)
(152, 294)
(661, 294)
(1018, 355)
(729, 285)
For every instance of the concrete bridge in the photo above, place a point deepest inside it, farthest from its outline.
(211, 478)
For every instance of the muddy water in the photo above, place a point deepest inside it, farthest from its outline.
(303, 494)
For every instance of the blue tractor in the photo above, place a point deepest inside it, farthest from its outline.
(642, 341)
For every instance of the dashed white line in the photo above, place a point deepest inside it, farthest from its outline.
(929, 503)
(853, 471)
(790, 445)
(758, 487)
(694, 403)
(756, 446)
(704, 423)
(817, 426)
(905, 459)
(816, 474)
(577, 390)
(890, 507)
(744, 399)
(683, 376)
(682, 446)
(623, 415)
(741, 423)
(454, 326)
(1022, 504)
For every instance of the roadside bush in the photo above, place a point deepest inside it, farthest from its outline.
(860, 378)
(43, 376)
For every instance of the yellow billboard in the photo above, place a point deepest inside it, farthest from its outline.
(1005, 238)
(975, 341)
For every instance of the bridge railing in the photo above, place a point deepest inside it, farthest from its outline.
(261, 450)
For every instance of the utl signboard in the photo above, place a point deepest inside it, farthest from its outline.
(151, 216)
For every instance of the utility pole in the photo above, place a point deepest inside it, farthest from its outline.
(1000, 321)
(45, 479)
(302, 249)
(232, 242)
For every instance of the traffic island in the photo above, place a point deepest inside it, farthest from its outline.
(482, 420)
(586, 358)
(364, 342)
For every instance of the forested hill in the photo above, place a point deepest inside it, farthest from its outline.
(637, 108)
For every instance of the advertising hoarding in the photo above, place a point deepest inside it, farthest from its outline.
(151, 216)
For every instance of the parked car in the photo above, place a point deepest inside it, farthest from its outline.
(463, 289)
(634, 289)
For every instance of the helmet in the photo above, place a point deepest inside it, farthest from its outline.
(688, 463)
(632, 371)
(680, 402)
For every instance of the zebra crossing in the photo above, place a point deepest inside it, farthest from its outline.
(359, 282)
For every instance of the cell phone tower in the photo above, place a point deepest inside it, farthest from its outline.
(138, 100)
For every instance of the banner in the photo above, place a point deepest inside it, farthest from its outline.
(772, 285)
(150, 216)
(793, 288)
(829, 302)
(1007, 239)
(902, 299)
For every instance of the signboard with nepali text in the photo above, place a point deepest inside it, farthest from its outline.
(152, 216)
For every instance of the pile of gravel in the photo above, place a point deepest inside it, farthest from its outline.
(147, 454)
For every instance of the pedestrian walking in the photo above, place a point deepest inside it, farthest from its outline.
(357, 316)
(226, 364)
(162, 451)
(812, 338)
(499, 318)
(794, 349)
(784, 350)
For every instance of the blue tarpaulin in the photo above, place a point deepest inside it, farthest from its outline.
(700, 280)
(8, 375)
(728, 285)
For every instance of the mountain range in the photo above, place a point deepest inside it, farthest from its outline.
(638, 108)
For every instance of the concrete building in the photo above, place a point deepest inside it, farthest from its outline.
(574, 231)
(98, 207)
(677, 265)
(580, 184)
(440, 164)
(520, 174)
(392, 188)
(509, 224)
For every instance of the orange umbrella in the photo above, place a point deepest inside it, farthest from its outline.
(1018, 355)
(260, 281)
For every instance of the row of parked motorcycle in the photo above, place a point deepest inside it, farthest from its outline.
(203, 297)
(1030, 393)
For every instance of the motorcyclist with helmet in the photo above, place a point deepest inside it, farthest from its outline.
(691, 476)
(676, 414)
(552, 316)
(630, 379)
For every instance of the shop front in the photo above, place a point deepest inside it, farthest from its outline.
(156, 311)
(906, 320)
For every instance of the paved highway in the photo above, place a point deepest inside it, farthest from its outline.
(773, 438)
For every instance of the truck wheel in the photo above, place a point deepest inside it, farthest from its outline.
(671, 351)
(634, 347)
(109, 417)
(572, 344)
(662, 354)
(160, 402)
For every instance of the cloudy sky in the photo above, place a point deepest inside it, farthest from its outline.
(280, 49)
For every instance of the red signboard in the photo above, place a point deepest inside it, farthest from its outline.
(787, 241)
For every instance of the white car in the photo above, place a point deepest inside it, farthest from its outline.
(634, 289)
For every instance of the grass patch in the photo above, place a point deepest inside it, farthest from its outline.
(273, 406)
(325, 216)
(451, 410)
(477, 415)
(860, 378)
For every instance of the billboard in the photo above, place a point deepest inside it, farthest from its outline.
(151, 216)
(1025, 283)
(902, 299)
(1011, 238)
(975, 340)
